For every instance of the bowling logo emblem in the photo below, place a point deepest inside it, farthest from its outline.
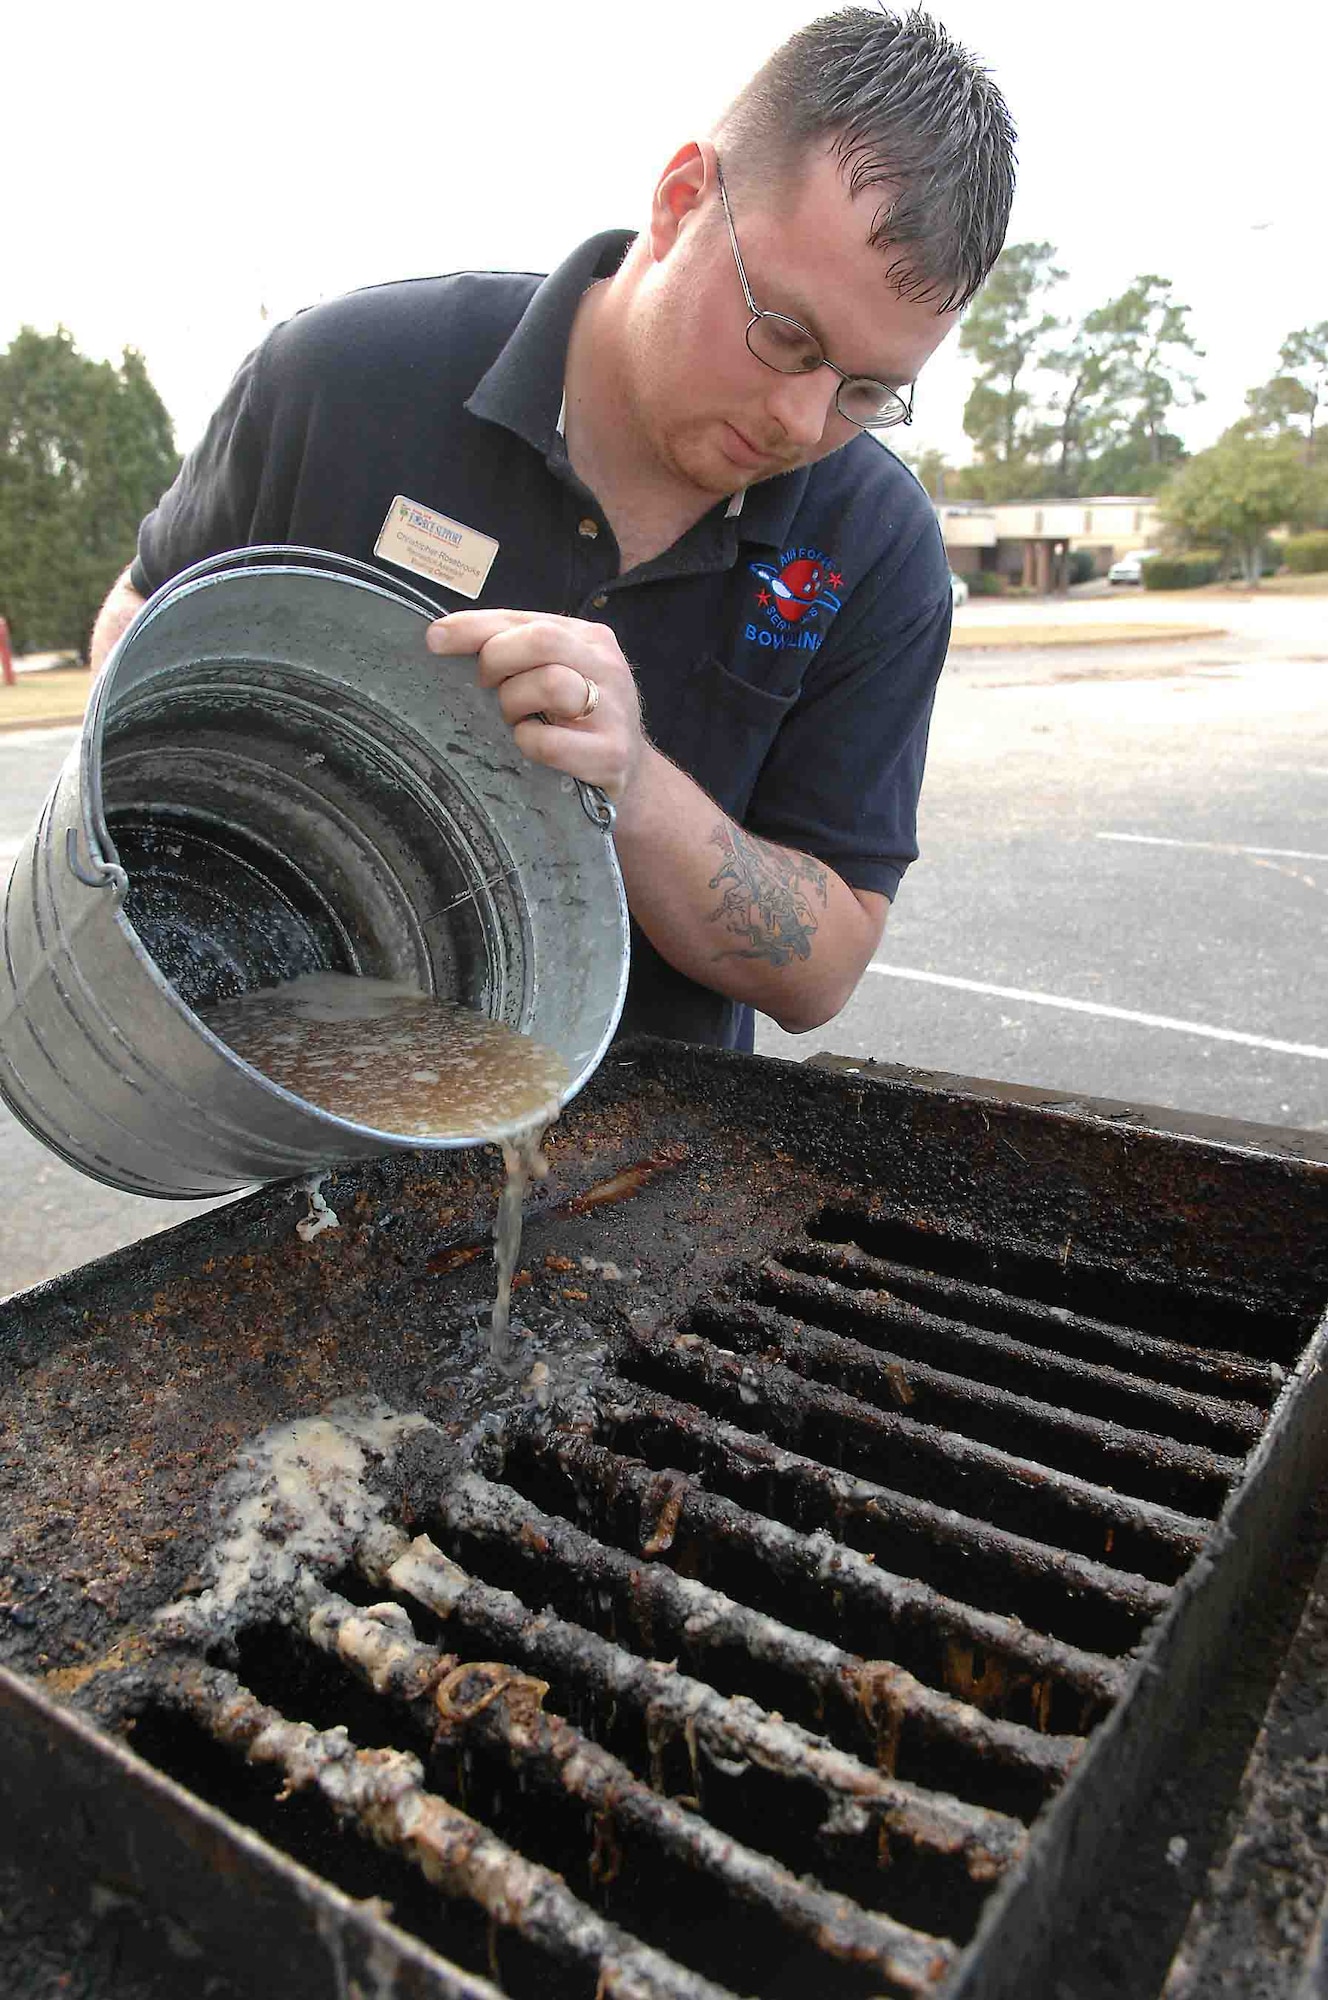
(796, 597)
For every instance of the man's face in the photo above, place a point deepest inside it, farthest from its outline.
(716, 416)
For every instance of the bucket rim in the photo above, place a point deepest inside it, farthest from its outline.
(264, 559)
(269, 559)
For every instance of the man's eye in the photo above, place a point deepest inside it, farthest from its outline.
(793, 344)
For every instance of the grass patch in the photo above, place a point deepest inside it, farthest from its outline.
(59, 695)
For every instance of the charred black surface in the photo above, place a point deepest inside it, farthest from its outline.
(1140, 1305)
(734, 1556)
(1143, 1463)
(1093, 1604)
(833, 1252)
(892, 1846)
(508, 1766)
(1245, 1860)
(302, 1827)
(1018, 1494)
(864, 1432)
(1091, 1388)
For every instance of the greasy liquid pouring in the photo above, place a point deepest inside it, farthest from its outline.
(387, 1056)
(524, 1163)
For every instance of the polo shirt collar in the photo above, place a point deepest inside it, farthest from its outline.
(523, 389)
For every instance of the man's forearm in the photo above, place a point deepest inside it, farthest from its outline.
(759, 922)
(122, 602)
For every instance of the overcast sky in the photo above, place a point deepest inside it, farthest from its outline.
(177, 178)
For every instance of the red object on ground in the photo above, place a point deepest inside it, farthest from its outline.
(6, 655)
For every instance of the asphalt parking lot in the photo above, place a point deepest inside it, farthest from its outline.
(1123, 893)
(1123, 887)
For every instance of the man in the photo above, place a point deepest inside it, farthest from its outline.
(712, 593)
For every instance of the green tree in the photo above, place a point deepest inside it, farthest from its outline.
(930, 468)
(1230, 496)
(1295, 397)
(85, 450)
(1132, 463)
(1143, 340)
(1018, 479)
(1088, 414)
(1085, 407)
(1004, 330)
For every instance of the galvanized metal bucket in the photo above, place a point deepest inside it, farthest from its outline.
(276, 777)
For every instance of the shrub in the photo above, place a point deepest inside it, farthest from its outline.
(1305, 555)
(985, 583)
(1080, 566)
(1181, 572)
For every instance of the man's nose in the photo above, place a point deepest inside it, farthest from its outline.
(803, 404)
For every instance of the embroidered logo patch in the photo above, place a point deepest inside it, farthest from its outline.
(793, 597)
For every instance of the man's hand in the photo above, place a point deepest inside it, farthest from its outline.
(543, 668)
(743, 916)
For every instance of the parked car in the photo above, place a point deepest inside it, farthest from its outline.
(1130, 568)
(958, 590)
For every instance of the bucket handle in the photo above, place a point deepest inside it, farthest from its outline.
(597, 806)
(93, 874)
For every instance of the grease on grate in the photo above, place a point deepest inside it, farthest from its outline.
(305, 1511)
(293, 1504)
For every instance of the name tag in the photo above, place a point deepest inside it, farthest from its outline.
(431, 545)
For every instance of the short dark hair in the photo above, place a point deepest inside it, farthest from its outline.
(907, 110)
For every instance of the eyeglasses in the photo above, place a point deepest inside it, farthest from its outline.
(792, 349)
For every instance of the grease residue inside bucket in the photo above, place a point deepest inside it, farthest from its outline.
(385, 1055)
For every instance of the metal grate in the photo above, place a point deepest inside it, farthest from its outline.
(750, 1675)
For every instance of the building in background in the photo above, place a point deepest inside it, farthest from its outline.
(1029, 542)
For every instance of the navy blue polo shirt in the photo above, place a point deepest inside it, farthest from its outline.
(786, 648)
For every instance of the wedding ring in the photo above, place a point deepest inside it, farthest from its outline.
(591, 702)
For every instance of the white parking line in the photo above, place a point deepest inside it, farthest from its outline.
(1108, 1013)
(1214, 846)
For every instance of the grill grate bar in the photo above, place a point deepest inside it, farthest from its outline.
(1156, 1468)
(998, 1358)
(939, 1545)
(733, 1730)
(486, 1702)
(879, 1701)
(382, 1795)
(1012, 1492)
(932, 1636)
(1213, 1372)
(1174, 1305)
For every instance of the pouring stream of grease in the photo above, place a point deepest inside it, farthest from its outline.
(401, 1062)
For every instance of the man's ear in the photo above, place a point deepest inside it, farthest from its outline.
(684, 185)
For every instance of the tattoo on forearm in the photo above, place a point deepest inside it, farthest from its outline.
(770, 896)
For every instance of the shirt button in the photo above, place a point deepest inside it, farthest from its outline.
(600, 601)
(589, 528)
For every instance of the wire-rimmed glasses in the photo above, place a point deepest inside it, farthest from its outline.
(791, 348)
